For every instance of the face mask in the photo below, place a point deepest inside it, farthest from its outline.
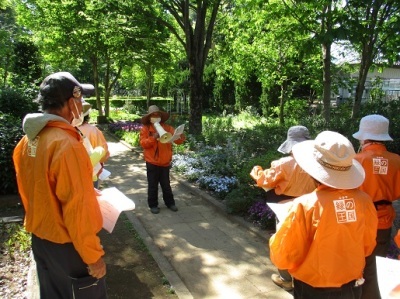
(77, 121)
(155, 119)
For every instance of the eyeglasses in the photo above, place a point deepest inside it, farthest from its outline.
(77, 93)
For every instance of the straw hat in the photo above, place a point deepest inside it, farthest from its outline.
(153, 109)
(373, 127)
(329, 160)
(295, 135)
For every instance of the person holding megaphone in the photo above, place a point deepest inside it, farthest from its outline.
(156, 141)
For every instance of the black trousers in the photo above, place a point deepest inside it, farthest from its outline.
(370, 286)
(346, 291)
(158, 175)
(62, 274)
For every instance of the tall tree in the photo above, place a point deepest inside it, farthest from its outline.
(373, 29)
(109, 34)
(196, 21)
(321, 20)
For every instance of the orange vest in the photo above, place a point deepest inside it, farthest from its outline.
(382, 177)
(326, 236)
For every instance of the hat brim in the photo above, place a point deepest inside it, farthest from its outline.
(87, 89)
(303, 153)
(368, 136)
(286, 147)
(164, 117)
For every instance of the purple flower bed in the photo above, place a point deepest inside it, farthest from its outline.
(127, 126)
(262, 215)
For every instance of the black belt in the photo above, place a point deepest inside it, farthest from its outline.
(382, 202)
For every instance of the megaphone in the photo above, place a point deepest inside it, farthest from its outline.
(164, 135)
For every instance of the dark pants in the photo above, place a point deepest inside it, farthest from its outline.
(62, 274)
(158, 175)
(346, 291)
(370, 286)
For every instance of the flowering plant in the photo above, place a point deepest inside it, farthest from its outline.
(262, 215)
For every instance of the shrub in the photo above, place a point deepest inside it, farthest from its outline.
(239, 200)
(10, 133)
(16, 103)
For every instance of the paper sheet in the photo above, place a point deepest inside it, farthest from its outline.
(177, 133)
(112, 202)
(388, 277)
(281, 210)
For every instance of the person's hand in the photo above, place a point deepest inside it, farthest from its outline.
(156, 135)
(97, 269)
(97, 192)
(255, 172)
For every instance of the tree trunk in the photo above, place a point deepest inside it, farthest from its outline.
(365, 64)
(282, 102)
(149, 83)
(196, 101)
(327, 81)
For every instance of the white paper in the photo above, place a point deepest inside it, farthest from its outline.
(388, 277)
(177, 133)
(104, 174)
(112, 202)
(281, 210)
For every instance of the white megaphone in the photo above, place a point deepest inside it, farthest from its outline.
(164, 135)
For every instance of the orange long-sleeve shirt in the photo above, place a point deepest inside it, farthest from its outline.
(54, 176)
(326, 236)
(285, 176)
(155, 152)
(382, 177)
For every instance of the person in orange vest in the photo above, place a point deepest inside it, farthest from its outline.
(382, 177)
(95, 144)
(54, 176)
(285, 180)
(158, 157)
(327, 233)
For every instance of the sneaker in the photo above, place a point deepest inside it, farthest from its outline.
(155, 210)
(286, 285)
(173, 208)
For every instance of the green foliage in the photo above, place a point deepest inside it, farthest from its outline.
(133, 138)
(10, 133)
(16, 238)
(15, 102)
(239, 200)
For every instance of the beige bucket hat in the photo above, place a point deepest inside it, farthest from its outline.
(330, 160)
(153, 109)
(373, 127)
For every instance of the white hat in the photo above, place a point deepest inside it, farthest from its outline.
(373, 127)
(329, 160)
(295, 134)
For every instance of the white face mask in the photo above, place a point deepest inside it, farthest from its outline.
(77, 121)
(155, 119)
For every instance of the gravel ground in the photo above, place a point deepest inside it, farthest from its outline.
(14, 267)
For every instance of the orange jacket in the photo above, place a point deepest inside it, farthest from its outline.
(54, 176)
(382, 177)
(96, 138)
(326, 236)
(155, 152)
(285, 176)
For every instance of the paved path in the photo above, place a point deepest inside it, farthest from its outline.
(202, 251)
